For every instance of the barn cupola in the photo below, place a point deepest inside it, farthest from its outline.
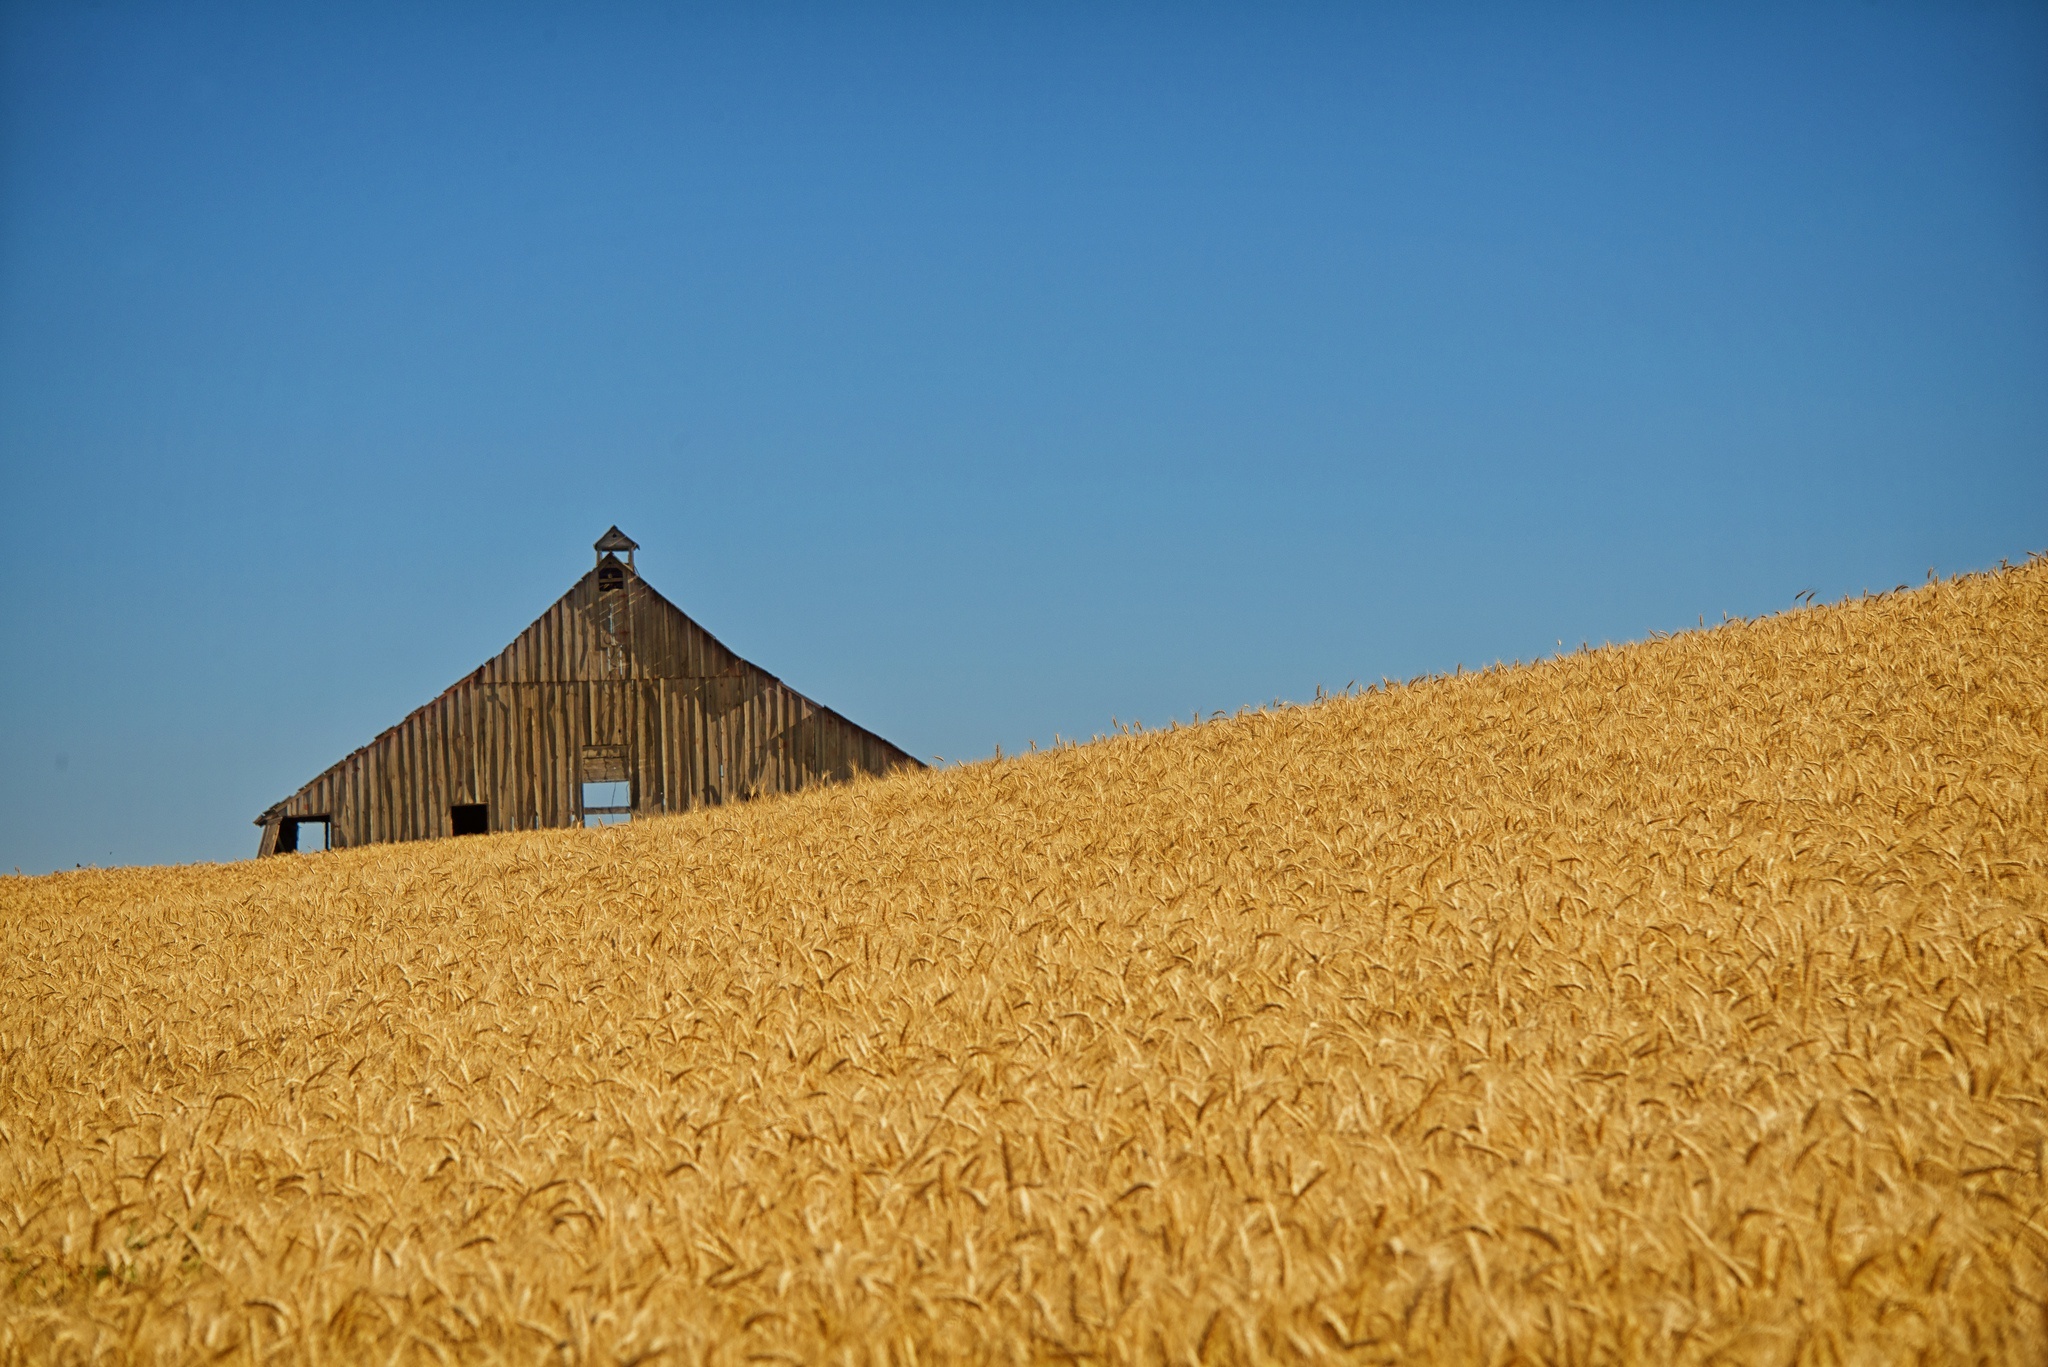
(613, 542)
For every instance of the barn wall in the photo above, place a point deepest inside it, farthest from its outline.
(695, 724)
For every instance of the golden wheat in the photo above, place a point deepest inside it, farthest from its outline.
(1682, 1002)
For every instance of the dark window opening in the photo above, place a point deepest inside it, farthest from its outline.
(470, 818)
(607, 804)
(609, 578)
(304, 835)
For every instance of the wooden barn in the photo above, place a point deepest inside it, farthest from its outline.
(613, 705)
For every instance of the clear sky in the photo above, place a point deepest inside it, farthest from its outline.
(984, 372)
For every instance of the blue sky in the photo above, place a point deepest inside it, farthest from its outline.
(983, 372)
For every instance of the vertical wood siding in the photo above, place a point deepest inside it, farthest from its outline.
(695, 722)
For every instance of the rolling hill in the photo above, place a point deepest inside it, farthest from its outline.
(1685, 1001)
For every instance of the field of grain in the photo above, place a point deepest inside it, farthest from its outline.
(1682, 1002)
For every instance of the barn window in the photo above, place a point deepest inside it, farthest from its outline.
(303, 835)
(470, 818)
(610, 577)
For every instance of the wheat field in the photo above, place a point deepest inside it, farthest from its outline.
(1683, 1002)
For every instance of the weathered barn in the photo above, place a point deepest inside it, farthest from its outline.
(614, 704)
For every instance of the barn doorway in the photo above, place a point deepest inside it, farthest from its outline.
(304, 835)
(470, 818)
(607, 786)
(607, 804)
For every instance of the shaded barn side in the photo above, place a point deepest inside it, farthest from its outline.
(614, 684)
